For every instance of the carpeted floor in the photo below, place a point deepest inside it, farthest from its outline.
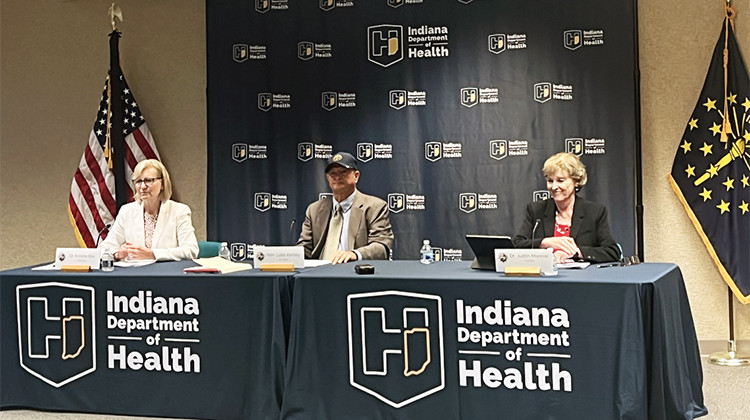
(725, 390)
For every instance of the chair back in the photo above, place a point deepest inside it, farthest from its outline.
(207, 249)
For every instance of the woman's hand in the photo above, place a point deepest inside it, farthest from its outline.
(134, 252)
(563, 245)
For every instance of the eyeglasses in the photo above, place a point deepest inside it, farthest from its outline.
(147, 181)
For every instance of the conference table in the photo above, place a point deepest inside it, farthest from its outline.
(148, 341)
(417, 341)
(409, 341)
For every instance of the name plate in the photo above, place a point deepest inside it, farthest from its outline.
(78, 256)
(279, 254)
(542, 259)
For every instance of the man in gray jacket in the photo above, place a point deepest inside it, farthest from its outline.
(350, 225)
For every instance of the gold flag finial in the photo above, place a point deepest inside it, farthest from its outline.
(726, 126)
(114, 12)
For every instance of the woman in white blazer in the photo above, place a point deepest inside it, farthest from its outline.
(153, 227)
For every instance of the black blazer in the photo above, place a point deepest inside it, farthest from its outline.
(589, 227)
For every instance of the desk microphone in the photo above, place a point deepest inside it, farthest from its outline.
(99, 234)
(291, 230)
(536, 224)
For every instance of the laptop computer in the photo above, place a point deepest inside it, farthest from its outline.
(484, 247)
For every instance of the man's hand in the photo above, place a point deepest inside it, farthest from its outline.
(343, 256)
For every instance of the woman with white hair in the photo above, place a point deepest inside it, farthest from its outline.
(153, 227)
(573, 227)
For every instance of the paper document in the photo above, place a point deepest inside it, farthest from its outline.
(225, 266)
(573, 264)
(316, 263)
(133, 263)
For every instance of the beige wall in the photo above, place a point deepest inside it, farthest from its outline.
(53, 63)
(54, 58)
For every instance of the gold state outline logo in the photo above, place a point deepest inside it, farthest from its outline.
(56, 331)
(396, 345)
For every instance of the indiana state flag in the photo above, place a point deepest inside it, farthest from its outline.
(711, 169)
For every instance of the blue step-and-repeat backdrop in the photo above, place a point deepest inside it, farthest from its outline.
(450, 106)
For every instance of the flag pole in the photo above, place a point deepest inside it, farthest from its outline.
(730, 357)
(115, 134)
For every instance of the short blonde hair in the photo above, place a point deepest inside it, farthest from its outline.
(166, 191)
(566, 162)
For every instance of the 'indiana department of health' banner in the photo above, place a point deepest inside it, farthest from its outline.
(450, 106)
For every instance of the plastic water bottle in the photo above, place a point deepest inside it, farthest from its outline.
(224, 251)
(108, 260)
(426, 256)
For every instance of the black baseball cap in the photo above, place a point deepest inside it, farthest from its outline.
(342, 158)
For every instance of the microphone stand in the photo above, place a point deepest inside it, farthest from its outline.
(99, 234)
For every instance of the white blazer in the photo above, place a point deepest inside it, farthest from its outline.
(174, 236)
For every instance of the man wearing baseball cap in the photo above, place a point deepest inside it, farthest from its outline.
(350, 225)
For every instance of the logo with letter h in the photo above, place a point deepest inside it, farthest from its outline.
(396, 345)
(56, 331)
(384, 44)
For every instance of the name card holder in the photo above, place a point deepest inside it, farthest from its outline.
(71, 268)
(525, 262)
(294, 255)
(76, 258)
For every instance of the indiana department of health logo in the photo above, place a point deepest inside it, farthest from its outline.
(327, 4)
(385, 44)
(330, 100)
(265, 101)
(540, 195)
(239, 52)
(396, 3)
(56, 331)
(262, 6)
(469, 96)
(496, 43)
(467, 202)
(365, 152)
(262, 201)
(305, 50)
(573, 39)
(433, 150)
(305, 151)
(238, 251)
(574, 146)
(396, 345)
(498, 149)
(239, 152)
(543, 92)
(397, 99)
(396, 202)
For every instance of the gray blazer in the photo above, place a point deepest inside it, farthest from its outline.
(370, 230)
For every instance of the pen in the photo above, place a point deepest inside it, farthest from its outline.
(608, 265)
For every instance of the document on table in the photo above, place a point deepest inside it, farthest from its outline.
(133, 263)
(573, 264)
(225, 266)
(316, 263)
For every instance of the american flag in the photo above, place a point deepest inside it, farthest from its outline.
(92, 204)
